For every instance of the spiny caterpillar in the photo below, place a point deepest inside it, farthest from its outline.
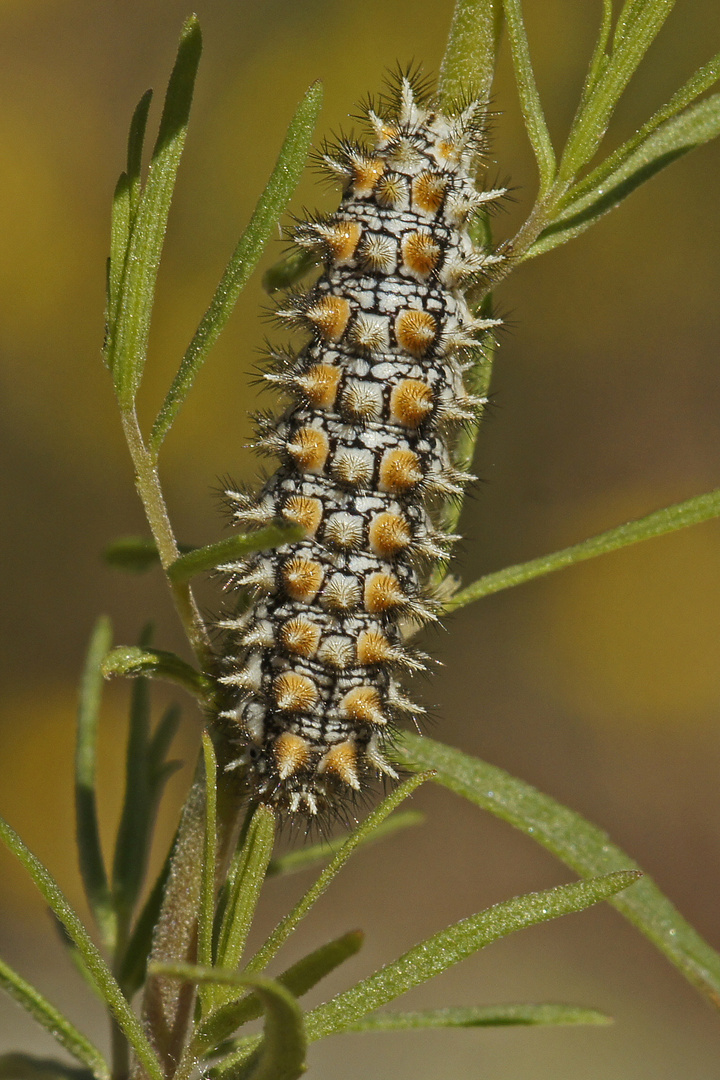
(365, 449)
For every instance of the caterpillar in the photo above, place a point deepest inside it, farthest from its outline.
(313, 667)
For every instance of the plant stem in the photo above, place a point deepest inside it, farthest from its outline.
(539, 218)
(168, 1004)
(148, 487)
(119, 1047)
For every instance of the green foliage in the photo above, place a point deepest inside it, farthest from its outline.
(298, 979)
(90, 856)
(146, 773)
(448, 947)
(202, 905)
(281, 1052)
(48, 1017)
(567, 201)
(472, 48)
(583, 847)
(634, 163)
(140, 221)
(532, 109)
(132, 661)
(233, 549)
(669, 519)
(483, 1016)
(98, 970)
(138, 554)
(301, 858)
(241, 891)
(272, 202)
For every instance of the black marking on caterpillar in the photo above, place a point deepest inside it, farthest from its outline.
(311, 667)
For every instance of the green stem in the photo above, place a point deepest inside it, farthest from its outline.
(119, 1047)
(541, 216)
(168, 1005)
(147, 483)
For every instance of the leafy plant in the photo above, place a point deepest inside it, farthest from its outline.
(184, 945)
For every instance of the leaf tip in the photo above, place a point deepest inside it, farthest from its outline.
(191, 25)
(355, 939)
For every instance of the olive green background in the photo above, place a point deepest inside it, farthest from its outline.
(600, 684)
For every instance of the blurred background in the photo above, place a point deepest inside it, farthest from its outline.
(600, 685)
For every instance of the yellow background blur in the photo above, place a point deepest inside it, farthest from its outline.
(600, 684)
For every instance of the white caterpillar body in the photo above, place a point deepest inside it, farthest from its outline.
(312, 667)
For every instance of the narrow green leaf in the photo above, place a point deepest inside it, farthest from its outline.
(136, 142)
(92, 863)
(298, 979)
(53, 1021)
(124, 211)
(635, 15)
(119, 240)
(161, 740)
(436, 954)
(132, 847)
(468, 65)
(672, 140)
(281, 1055)
(448, 947)
(270, 206)
(637, 27)
(697, 84)
(600, 58)
(287, 271)
(581, 846)
(530, 104)
(678, 516)
(242, 892)
(307, 973)
(132, 661)
(147, 772)
(238, 547)
(286, 926)
(129, 345)
(106, 985)
(135, 554)
(134, 961)
(30, 1067)
(207, 895)
(72, 952)
(292, 862)
(481, 1016)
